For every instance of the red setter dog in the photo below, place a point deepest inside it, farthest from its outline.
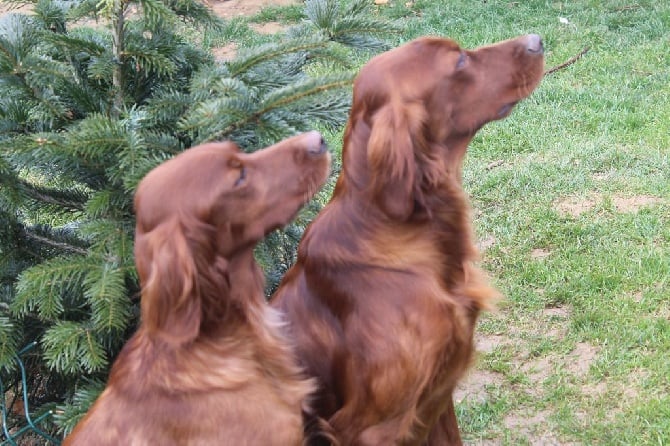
(209, 364)
(384, 297)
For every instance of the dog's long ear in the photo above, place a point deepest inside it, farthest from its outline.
(396, 134)
(171, 303)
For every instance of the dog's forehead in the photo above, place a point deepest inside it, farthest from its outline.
(424, 49)
(199, 157)
(414, 64)
(169, 185)
(209, 151)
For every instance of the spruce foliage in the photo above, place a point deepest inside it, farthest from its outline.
(86, 112)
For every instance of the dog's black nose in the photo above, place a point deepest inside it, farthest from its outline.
(534, 44)
(316, 145)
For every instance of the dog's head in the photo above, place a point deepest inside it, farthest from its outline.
(203, 208)
(416, 108)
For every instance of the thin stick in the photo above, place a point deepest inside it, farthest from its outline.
(568, 62)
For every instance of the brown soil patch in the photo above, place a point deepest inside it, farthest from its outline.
(533, 426)
(494, 164)
(576, 363)
(580, 359)
(526, 423)
(226, 9)
(594, 390)
(226, 52)
(556, 312)
(575, 206)
(267, 28)
(634, 204)
(473, 387)
(234, 8)
(538, 369)
(487, 243)
(488, 343)
(602, 176)
(554, 322)
(229, 9)
(539, 253)
(7, 8)
(550, 324)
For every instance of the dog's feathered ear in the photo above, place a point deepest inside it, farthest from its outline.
(171, 303)
(395, 137)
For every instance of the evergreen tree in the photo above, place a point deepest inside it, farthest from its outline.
(85, 113)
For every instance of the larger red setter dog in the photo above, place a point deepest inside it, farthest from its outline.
(209, 364)
(384, 296)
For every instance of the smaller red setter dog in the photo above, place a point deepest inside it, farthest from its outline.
(209, 364)
(384, 297)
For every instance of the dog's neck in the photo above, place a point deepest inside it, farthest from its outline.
(237, 328)
(443, 216)
(232, 287)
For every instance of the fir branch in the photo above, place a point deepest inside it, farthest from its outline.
(62, 246)
(105, 290)
(8, 342)
(72, 200)
(284, 97)
(195, 12)
(71, 347)
(105, 203)
(112, 241)
(323, 13)
(149, 60)
(165, 108)
(18, 38)
(48, 286)
(156, 14)
(68, 415)
(359, 33)
(351, 26)
(249, 59)
(296, 93)
(75, 44)
(83, 9)
(96, 139)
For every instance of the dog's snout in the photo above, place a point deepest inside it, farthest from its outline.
(316, 145)
(534, 44)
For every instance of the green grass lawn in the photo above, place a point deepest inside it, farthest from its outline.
(571, 203)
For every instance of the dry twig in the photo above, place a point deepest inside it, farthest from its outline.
(568, 62)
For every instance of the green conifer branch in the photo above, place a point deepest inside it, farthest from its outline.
(59, 245)
(8, 342)
(71, 348)
(279, 99)
(68, 415)
(244, 62)
(71, 200)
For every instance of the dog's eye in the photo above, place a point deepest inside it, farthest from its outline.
(462, 59)
(243, 175)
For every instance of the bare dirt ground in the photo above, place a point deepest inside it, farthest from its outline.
(223, 8)
(226, 9)
(575, 206)
(233, 8)
(230, 9)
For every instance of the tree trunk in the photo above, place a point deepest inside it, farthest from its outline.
(117, 51)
